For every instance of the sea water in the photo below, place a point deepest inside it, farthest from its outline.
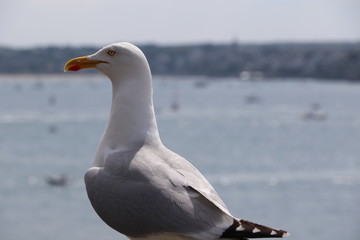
(284, 153)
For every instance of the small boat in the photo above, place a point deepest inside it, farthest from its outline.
(252, 99)
(315, 113)
(61, 180)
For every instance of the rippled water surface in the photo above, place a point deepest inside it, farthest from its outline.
(282, 153)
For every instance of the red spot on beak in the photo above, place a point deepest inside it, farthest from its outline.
(74, 68)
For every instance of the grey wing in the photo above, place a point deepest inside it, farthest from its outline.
(208, 206)
(192, 194)
(225, 226)
(156, 192)
(195, 180)
(140, 209)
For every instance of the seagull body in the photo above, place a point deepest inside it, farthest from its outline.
(136, 185)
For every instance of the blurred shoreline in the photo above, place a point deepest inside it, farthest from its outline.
(330, 61)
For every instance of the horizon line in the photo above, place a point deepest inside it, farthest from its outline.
(193, 43)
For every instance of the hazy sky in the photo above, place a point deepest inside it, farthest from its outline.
(99, 22)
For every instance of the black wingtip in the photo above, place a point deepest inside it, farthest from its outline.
(242, 229)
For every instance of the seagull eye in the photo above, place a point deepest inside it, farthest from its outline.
(111, 52)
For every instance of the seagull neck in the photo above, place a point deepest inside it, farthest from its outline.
(132, 120)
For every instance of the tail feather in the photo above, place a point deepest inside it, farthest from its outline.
(242, 229)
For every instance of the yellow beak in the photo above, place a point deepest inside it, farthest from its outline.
(79, 63)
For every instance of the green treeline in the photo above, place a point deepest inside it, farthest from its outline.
(323, 61)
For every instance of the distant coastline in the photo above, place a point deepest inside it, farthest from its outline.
(337, 61)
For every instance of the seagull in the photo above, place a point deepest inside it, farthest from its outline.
(136, 185)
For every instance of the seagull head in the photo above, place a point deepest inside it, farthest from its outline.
(115, 60)
(132, 118)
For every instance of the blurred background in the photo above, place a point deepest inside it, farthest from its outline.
(262, 96)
